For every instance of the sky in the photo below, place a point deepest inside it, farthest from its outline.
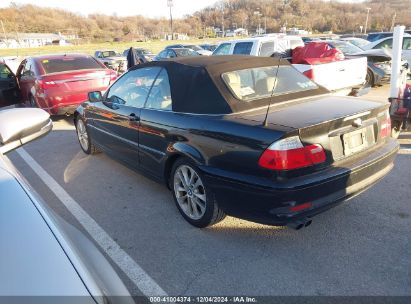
(148, 8)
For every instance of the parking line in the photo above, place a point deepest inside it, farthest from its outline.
(134, 271)
(404, 151)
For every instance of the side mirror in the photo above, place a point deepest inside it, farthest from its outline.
(20, 126)
(95, 96)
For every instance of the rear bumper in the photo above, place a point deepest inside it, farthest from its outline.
(270, 203)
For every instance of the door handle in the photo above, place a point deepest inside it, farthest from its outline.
(133, 117)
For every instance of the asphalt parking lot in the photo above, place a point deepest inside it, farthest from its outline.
(361, 247)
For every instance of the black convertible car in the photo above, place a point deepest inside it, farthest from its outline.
(203, 125)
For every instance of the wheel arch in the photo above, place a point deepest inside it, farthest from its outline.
(181, 150)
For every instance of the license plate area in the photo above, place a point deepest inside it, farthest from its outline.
(355, 141)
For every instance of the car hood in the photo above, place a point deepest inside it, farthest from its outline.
(32, 261)
(375, 52)
(115, 58)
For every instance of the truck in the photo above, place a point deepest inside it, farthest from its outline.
(345, 77)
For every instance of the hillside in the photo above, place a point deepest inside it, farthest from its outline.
(315, 15)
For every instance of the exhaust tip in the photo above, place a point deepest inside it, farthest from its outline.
(297, 225)
(308, 223)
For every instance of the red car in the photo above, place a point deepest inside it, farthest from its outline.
(55, 83)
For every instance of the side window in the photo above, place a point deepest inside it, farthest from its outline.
(384, 44)
(223, 49)
(406, 45)
(171, 54)
(26, 69)
(5, 73)
(243, 48)
(267, 48)
(132, 89)
(160, 94)
(163, 54)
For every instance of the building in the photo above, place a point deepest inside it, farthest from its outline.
(28, 40)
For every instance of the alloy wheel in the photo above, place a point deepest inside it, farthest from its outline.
(190, 192)
(82, 134)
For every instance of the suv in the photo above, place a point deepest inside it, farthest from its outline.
(112, 60)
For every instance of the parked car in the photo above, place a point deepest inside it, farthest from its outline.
(371, 37)
(194, 47)
(359, 42)
(386, 43)
(55, 83)
(112, 60)
(378, 61)
(267, 45)
(209, 47)
(173, 53)
(254, 138)
(343, 76)
(42, 255)
(141, 52)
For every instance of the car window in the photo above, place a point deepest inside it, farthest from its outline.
(267, 48)
(27, 69)
(68, 63)
(223, 49)
(384, 44)
(163, 54)
(259, 83)
(170, 54)
(133, 87)
(106, 54)
(243, 48)
(185, 52)
(5, 72)
(160, 94)
(406, 45)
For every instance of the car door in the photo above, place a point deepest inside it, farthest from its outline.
(155, 122)
(406, 49)
(26, 79)
(9, 89)
(115, 121)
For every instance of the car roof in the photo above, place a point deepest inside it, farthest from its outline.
(198, 80)
(60, 56)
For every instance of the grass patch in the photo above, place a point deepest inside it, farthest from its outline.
(155, 46)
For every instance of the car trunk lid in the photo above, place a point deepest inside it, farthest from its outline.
(343, 126)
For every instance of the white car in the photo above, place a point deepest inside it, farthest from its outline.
(41, 254)
(386, 43)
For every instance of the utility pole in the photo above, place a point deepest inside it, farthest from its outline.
(4, 32)
(366, 20)
(222, 19)
(393, 22)
(170, 5)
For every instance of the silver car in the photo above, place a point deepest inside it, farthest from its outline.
(42, 255)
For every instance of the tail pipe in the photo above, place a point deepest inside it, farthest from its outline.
(297, 225)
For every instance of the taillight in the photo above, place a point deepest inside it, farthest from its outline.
(43, 84)
(385, 129)
(113, 76)
(309, 73)
(289, 153)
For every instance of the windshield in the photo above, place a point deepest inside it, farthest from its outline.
(194, 47)
(66, 63)
(185, 52)
(106, 54)
(259, 83)
(345, 47)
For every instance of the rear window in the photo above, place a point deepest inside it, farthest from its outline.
(185, 52)
(242, 48)
(67, 63)
(258, 83)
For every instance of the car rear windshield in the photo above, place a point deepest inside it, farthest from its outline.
(258, 83)
(185, 52)
(67, 63)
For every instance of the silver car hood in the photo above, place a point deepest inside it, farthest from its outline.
(32, 261)
(376, 52)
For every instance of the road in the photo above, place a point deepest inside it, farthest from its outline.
(361, 247)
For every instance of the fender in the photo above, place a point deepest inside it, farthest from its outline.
(182, 148)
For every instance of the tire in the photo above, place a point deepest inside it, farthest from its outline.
(193, 198)
(369, 79)
(32, 102)
(396, 128)
(84, 138)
